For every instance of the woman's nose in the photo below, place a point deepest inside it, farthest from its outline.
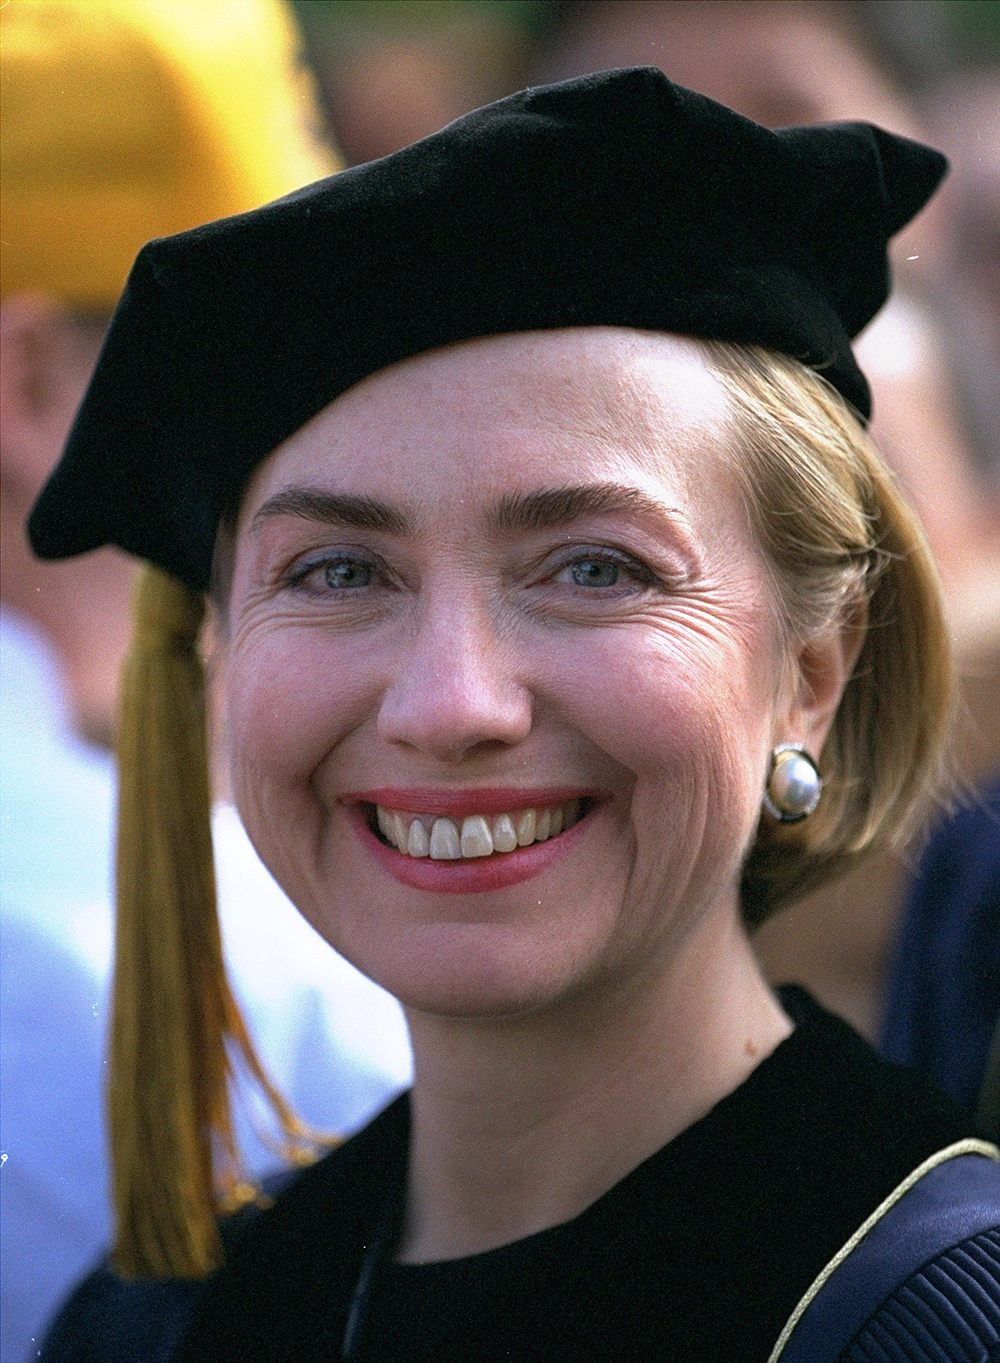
(453, 689)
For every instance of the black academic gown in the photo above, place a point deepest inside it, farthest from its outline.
(701, 1253)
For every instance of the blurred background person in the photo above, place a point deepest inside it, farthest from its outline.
(394, 71)
(943, 1007)
(122, 121)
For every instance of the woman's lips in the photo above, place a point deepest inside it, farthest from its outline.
(468, 875)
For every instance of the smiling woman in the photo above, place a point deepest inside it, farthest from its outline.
(462, 649)
(572, 624)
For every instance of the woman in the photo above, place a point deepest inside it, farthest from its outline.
(552, 576)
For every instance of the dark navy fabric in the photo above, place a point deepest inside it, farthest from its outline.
(948, 1313)
(700, 1253)
(111, 1321)
(954, 1302)
(951, 1204)
(944, 994)
(108, 1320)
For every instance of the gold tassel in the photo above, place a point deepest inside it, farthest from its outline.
(176, 1028)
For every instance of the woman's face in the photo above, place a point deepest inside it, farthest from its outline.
(513, 575)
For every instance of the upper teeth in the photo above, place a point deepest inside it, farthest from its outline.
(477, 835)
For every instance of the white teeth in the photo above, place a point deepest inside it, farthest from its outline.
(504, 833)
(526, 828)
(445, 844)
(419, 842)
(477, 841)
(478, 836)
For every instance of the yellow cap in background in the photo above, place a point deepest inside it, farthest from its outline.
(130, 119)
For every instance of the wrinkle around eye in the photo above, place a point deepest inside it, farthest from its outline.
(265, 616)
(726, 619)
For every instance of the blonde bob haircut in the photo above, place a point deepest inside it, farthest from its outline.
(843, 546)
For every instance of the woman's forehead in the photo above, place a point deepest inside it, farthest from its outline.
(555, 402)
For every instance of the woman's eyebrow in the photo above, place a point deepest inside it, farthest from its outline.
(563, 505)
(515, 511)
(332, 508)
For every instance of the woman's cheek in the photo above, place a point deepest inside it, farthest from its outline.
(658, 695)
(290, 703)
(686, 713)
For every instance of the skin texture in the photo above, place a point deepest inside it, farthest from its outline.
(565, 1026)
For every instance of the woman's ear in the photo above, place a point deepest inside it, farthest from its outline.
(820, 668)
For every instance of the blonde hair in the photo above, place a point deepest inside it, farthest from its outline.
(841, 543)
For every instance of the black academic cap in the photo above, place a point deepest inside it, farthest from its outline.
(615, 199)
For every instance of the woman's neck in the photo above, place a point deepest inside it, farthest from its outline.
(520, 1124)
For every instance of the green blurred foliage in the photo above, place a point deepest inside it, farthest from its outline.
(355, 18)
(973, 27)
(967, 31)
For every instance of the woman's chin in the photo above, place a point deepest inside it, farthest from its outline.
(466, 970)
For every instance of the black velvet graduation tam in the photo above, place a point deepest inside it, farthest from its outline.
(614, 199)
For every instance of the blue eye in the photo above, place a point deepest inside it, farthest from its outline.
(595, 572)
(340, 573)
(347, 572)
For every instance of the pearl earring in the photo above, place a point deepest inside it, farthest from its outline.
(793, 784)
